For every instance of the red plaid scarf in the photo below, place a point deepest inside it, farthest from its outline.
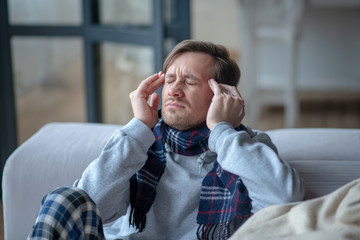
(224, 202)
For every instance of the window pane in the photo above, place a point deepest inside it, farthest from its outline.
(49, 82)
(137, 13)
(123, 67)
(45, 12)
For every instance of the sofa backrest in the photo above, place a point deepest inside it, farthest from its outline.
(325, 158)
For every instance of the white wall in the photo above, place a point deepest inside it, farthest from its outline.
(216, 21)
(329, 56)
(329, 44)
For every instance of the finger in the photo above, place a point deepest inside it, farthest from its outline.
(154, 101)
(231, 90)
(147, 82)
(157, 83)
(215, 87)
(150, 84)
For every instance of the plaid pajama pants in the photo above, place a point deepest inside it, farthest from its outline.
(67, 213)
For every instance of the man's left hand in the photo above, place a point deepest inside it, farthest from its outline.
(227, 105)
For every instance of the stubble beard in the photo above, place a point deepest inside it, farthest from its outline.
(181, 123)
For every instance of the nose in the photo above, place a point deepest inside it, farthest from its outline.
(176, 90)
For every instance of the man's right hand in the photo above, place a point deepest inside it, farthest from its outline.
(144, 111)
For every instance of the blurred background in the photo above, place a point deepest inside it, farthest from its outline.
(77, 61)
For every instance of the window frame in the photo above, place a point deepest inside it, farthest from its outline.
(92, 34)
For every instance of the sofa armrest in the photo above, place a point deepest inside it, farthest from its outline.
(54, 156)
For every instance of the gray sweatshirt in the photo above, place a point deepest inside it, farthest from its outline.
(248, 154)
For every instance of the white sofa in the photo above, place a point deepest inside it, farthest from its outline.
(58, 153)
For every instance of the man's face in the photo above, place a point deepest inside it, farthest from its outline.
(186, 95)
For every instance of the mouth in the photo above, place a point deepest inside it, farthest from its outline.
(174, 105)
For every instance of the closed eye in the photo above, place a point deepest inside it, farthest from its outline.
(191, 82)
(191, 79)
(169, 79)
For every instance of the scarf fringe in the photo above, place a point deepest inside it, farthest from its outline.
(137, 219)
(220, 231)
(137, 216)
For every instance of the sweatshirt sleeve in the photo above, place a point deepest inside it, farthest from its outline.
(106, 179)
(253, 157)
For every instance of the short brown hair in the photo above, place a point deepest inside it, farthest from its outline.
(225, 69)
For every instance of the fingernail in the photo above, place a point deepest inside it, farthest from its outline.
(160, 73)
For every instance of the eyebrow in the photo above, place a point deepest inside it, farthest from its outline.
(186, 75)
(191, 76)
(169, 75)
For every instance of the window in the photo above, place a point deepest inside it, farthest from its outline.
(61, 60)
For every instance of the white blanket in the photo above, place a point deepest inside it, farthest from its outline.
(334, 216)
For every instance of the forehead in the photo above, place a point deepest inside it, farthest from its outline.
(192, 61)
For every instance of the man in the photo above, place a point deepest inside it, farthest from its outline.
(191, 171)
